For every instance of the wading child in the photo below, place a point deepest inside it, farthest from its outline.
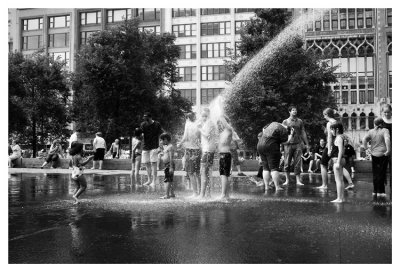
(167, 159)
(136, 156)
(337, 156)
(77, 169)
(225, 157)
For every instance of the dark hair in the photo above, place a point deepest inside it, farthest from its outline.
(78, 130)
(99, 134)
(329, 112)
(76, 148)
(138, 132)
(165, 136)
(292, 107)
(337, 126)
(148, 114)
(378, 122)
(191, 116)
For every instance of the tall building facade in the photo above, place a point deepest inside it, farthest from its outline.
(358, 40)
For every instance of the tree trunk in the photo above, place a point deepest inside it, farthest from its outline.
(34, 138)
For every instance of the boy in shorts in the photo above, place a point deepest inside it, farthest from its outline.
(167, 159)
(225, 156)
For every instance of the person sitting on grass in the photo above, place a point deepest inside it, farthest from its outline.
(167, 159)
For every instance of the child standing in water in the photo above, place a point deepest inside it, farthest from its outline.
(225, 157)
(167, 159)
(338, 160)
(136, 156)
(77, 169)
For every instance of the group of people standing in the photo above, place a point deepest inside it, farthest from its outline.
(292, 135)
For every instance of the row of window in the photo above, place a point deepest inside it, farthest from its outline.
(54, 40)
(366, 122)
(346, 97)
(186, 12)
(207, 29)
(208, 50)
(208, 73)
(207, 94)
(335, 19)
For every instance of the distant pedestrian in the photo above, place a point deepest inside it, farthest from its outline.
(349, 155)
(137, 145)
(78, 164)
(169, 164)
(115, 149)
(74, 137)
(379, 138)
(99, 146)
(151, 132)
(54, 154)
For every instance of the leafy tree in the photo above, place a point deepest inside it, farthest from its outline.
(121, 73)
(38, 96)
(290, 76)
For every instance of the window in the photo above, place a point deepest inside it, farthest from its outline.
(118, 15)
(371, 117)
(345, 97)
(353, 120)
(326, 20)
(183, 12)
(213, 72)
(59, 40)
(237, 51)
(362, 97)
(368, 18)
(61, 56)
(85, 35)
(187, 51)
(218, 28)
(334, 19)
(184, 30)
(343, 18)
(214, 50)
(214, 11)
(363, 120)
(317, 19)
(239, 25)
(207, 95)
(59, 21)
(353, 97)
(352, 18)
(241, 10)
(147, 14)
(33, 24)
(32, 42)
(88, 18)
(345, 121)
(187, 73)
(189, 94)
(370, 96)
(150, 29)
(390, 73)
(337, 97)
(360, 18)
(389, 17)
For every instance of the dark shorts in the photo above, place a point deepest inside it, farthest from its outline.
(168, 176)
(325, 157)
(99, 154)
(207, 158)
(225, 163)
(270, 155)
(52, 157)
(193, 157)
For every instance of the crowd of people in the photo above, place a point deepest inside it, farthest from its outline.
(279, 145)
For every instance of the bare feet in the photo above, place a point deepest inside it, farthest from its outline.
(149, 183)
(286, 183)
(299, 183)
(278, 188)
(322, 187)
(337, 200)
(164, 197)
(76, 199)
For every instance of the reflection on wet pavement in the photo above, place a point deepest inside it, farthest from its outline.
(120, 223)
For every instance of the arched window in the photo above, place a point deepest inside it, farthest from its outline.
(337, 116)
(345, 121)
(363, 120)
(371, 117)
(353, 120)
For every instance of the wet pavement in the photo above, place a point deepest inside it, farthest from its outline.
(118, 223)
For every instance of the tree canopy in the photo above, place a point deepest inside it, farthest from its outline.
(290, 76)
(123, 72)
(38, 95)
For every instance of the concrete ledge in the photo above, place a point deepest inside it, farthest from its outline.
(126, 164)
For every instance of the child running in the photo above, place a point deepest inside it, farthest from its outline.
(167, 159)
(136, 156)
(77, 169)
(338, 160)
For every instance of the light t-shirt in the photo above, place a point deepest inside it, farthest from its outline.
(99, 142)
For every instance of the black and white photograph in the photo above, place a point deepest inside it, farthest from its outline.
(242, 133)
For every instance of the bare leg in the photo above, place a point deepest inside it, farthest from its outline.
(298, 180)
(154, 172)
(266, 178)
(324, 177)
(137, 169)
(287, 175)
(44, 164)
(339, 184)
(204, 179)
(275, 178)
(346, 174)
(225, 186)
(148, 170)
(101, 164)
(310, 166)
(193, 180)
